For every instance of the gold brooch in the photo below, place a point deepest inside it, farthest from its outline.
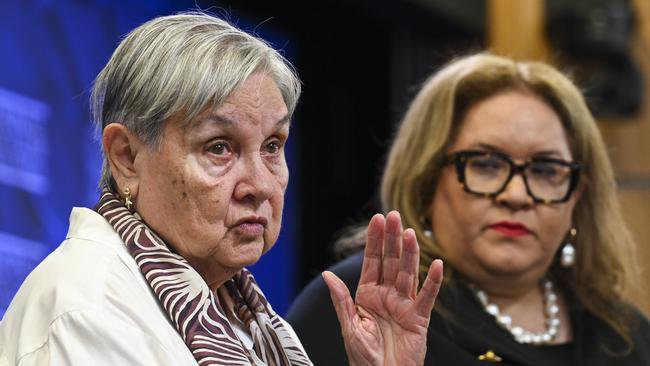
(490, 356)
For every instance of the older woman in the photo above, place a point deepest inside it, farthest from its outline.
(500, 168)
(194, 115)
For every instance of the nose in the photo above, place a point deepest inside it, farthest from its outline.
(255, 183)
(515, 194)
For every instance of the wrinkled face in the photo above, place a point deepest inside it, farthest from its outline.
(486, 238)
(214, 189)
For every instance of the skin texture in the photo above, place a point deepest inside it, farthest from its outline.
(508, 268)
(214, 188)
(214, 191)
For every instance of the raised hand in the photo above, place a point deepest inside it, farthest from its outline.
(387, 322)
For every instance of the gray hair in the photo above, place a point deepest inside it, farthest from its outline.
(181, 63)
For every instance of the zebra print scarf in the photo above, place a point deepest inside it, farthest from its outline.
(199, 315)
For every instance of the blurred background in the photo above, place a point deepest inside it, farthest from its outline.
(360, 61)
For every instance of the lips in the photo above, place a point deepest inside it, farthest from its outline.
(251, 226)
(512, 229)
(252, 220)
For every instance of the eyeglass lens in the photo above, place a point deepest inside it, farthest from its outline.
(489, 173)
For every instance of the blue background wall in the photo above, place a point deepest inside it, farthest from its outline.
(49, 156)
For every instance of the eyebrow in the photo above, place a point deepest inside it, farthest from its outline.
(543, 153)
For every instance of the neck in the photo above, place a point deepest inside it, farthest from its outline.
(506, 291)
(524, 304)
(214, 275)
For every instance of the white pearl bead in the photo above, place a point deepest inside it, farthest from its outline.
(568, 255)
(482, 297)
(504, 319)
(492, 309)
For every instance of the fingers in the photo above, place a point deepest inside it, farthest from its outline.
(371, 268)
(343, 304)
(392, 248)
(406, 283)
(427, 297)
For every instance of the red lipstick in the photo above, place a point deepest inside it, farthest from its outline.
(512, 229)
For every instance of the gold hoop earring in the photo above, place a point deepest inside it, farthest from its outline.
(127, 198)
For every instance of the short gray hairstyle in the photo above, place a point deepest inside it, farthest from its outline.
(180, 63)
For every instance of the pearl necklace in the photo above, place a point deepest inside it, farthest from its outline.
(551, 314)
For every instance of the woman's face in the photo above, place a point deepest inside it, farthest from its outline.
(214, 190)
(508, 235)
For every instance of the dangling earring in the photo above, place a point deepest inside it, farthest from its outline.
(426, 231)
(127, 198)
(568, 256)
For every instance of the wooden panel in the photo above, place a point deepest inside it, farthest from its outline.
(516, 28)
(636, 208)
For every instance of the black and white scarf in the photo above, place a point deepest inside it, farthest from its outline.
(199, 315)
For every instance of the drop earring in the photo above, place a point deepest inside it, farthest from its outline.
(426, 228)
(127, 198)
(568, 255)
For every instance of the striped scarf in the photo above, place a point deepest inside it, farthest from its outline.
(200, 316)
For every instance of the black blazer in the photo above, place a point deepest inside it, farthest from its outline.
(466, 331)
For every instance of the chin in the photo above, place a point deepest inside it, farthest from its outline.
(506, 259)
(246, 255)
(507, 265)
(508, 270)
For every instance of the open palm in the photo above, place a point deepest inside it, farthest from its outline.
(387, 322)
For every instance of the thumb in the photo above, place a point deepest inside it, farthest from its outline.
(341, 299)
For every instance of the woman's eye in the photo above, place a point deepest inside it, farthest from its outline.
(486, 164)
(273, 147)
(219, 148)
(542, 170)
(550, 172)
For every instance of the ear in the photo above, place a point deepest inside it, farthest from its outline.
(121, 147)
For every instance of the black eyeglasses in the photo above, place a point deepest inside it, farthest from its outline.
(547, 180)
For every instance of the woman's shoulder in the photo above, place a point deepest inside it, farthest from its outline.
(641, 330)
(79, 272)
(632, 316)
(600, 341)
(82, 275)
(89, 281)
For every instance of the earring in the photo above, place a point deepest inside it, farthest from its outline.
(426, 227)
(568, 256)
(127, 198)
